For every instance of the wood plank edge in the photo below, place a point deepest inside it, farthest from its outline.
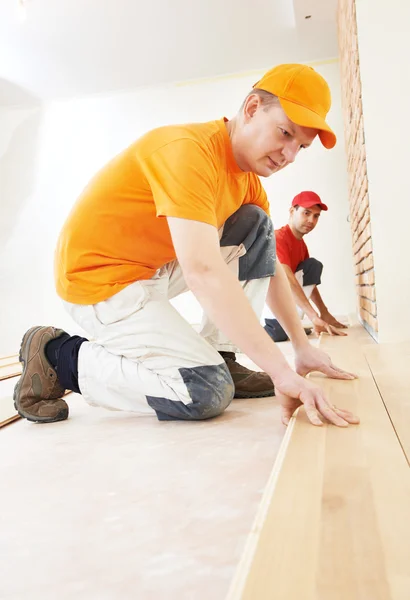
(15, 417)
(239, 580)
(242, 571)
(10, 375)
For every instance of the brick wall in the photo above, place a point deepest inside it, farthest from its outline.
(356, 164)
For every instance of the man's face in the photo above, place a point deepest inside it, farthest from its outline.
(304, 220)
(269, 141)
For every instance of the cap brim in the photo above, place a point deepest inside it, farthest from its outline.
(320, 204)
(307, 118)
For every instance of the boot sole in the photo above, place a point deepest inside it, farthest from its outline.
(62, 415)
(244, 396)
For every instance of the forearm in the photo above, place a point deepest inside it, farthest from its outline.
(223, 299)
(281, 302)
(318, 301)
(298, 294)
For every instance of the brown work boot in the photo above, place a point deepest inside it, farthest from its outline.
(38, 393)
(248, 384)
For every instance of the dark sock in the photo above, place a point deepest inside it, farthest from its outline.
(53, 347)
(62, 353)
(228, 355)
(275, 330)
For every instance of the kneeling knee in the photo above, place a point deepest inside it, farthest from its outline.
(209, 391)
(210, 388)
(314, 263)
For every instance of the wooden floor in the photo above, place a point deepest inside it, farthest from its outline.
(7, 360)
(390, 366)
(8, 413)
(10, 369)
(335, 520)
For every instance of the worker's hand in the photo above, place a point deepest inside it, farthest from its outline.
(310, 359)
(292, 391)
(330, 320)
(320, 326)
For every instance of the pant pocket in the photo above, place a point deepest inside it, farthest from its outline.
(122, 305)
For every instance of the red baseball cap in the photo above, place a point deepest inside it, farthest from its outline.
(308, 199)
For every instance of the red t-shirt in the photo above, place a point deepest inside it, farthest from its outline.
(289, 250)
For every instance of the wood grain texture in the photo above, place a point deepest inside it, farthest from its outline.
(337, 525)
(390, 366)
(8, 413)
(9, 360)
(11, 419)
(11, 370)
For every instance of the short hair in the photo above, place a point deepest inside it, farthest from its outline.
(298, 206)
(267, 99)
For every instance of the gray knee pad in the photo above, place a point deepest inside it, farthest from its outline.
(253, 228)
(211, 389)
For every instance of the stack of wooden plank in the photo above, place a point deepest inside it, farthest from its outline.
(10, 369)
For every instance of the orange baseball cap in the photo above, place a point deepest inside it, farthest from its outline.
(304, 96)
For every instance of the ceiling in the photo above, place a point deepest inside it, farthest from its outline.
(68, 48)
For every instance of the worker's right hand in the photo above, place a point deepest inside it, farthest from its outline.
(292, 391)
(320, 326)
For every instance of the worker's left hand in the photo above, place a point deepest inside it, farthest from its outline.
(310, 359)
(330, 320)
(321, 326)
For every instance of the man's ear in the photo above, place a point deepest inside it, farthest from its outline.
(251, 105)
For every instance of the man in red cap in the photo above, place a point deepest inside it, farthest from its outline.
(303, 272)
(180, 209)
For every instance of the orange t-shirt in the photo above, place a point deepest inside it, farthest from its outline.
(113, 235)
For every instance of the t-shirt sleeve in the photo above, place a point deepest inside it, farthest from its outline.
(283, 249)
(257, 195)
(306, 253)
(183, 181)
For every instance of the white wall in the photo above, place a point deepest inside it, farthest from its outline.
(383, 37)
(19, 151)
(323, 171)
(49, 154)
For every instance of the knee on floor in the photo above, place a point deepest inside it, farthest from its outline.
(210, 390)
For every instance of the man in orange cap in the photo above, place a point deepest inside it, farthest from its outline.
(303, 272)
(183, 208)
